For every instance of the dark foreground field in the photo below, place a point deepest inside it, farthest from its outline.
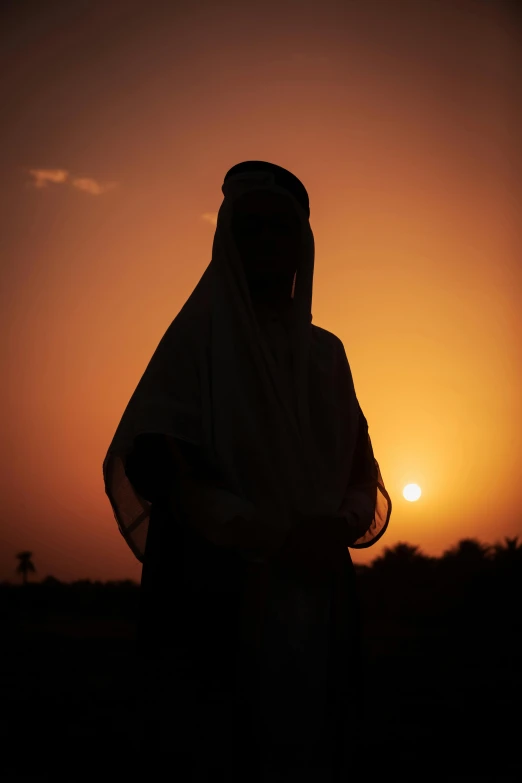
(443, 645)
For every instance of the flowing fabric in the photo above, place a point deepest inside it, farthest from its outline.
(212, 382)
(273, 409)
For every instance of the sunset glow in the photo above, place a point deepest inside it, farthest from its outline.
(404, 128)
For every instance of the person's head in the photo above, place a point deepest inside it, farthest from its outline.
(267, 232)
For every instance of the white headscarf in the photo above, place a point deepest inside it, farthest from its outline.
(213, 382)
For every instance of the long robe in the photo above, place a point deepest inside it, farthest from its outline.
(244, 661)
(224, 666)
(258, 665)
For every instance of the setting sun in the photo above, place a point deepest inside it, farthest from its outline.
(412, 492)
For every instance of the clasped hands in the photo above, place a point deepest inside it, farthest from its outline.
(315, 547)
(312, 550)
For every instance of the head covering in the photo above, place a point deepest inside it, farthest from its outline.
(281, 177)
(212, 382)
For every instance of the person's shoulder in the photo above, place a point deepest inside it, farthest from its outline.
(327, 349)
(329, 355)
(325, 338)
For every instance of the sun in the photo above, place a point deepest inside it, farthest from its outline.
(412, 492)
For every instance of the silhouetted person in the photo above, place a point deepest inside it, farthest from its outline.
(241, 471)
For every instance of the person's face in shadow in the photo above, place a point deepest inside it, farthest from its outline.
(266, 230)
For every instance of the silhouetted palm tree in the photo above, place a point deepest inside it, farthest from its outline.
(468, 551)
(466, 570)
(399, 585)
(25, 565)
(400, 556)
(508, 553)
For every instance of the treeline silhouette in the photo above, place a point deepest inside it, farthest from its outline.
(442, 654)
(402, 583)
(471, 582)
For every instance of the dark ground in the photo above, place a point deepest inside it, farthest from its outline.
(443, 678)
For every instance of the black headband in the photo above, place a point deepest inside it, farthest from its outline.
(282, 177)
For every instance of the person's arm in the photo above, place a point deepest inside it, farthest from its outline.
(315, 542)
(359, 503)
(172, 473)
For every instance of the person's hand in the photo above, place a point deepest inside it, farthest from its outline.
(314, 548)
(250, 538)
(355, 528)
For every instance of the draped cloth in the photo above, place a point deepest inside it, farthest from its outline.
(280, 421)
(212, 382)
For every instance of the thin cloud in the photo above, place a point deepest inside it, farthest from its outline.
(210, 217)
(43, 176)
(92, 186)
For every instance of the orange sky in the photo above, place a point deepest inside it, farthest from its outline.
(401, 119)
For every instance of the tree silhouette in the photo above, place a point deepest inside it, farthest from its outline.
(401, 557)
(469, 552)
(401, 552)
(400, 584)
(509, 553)
(25, 565)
